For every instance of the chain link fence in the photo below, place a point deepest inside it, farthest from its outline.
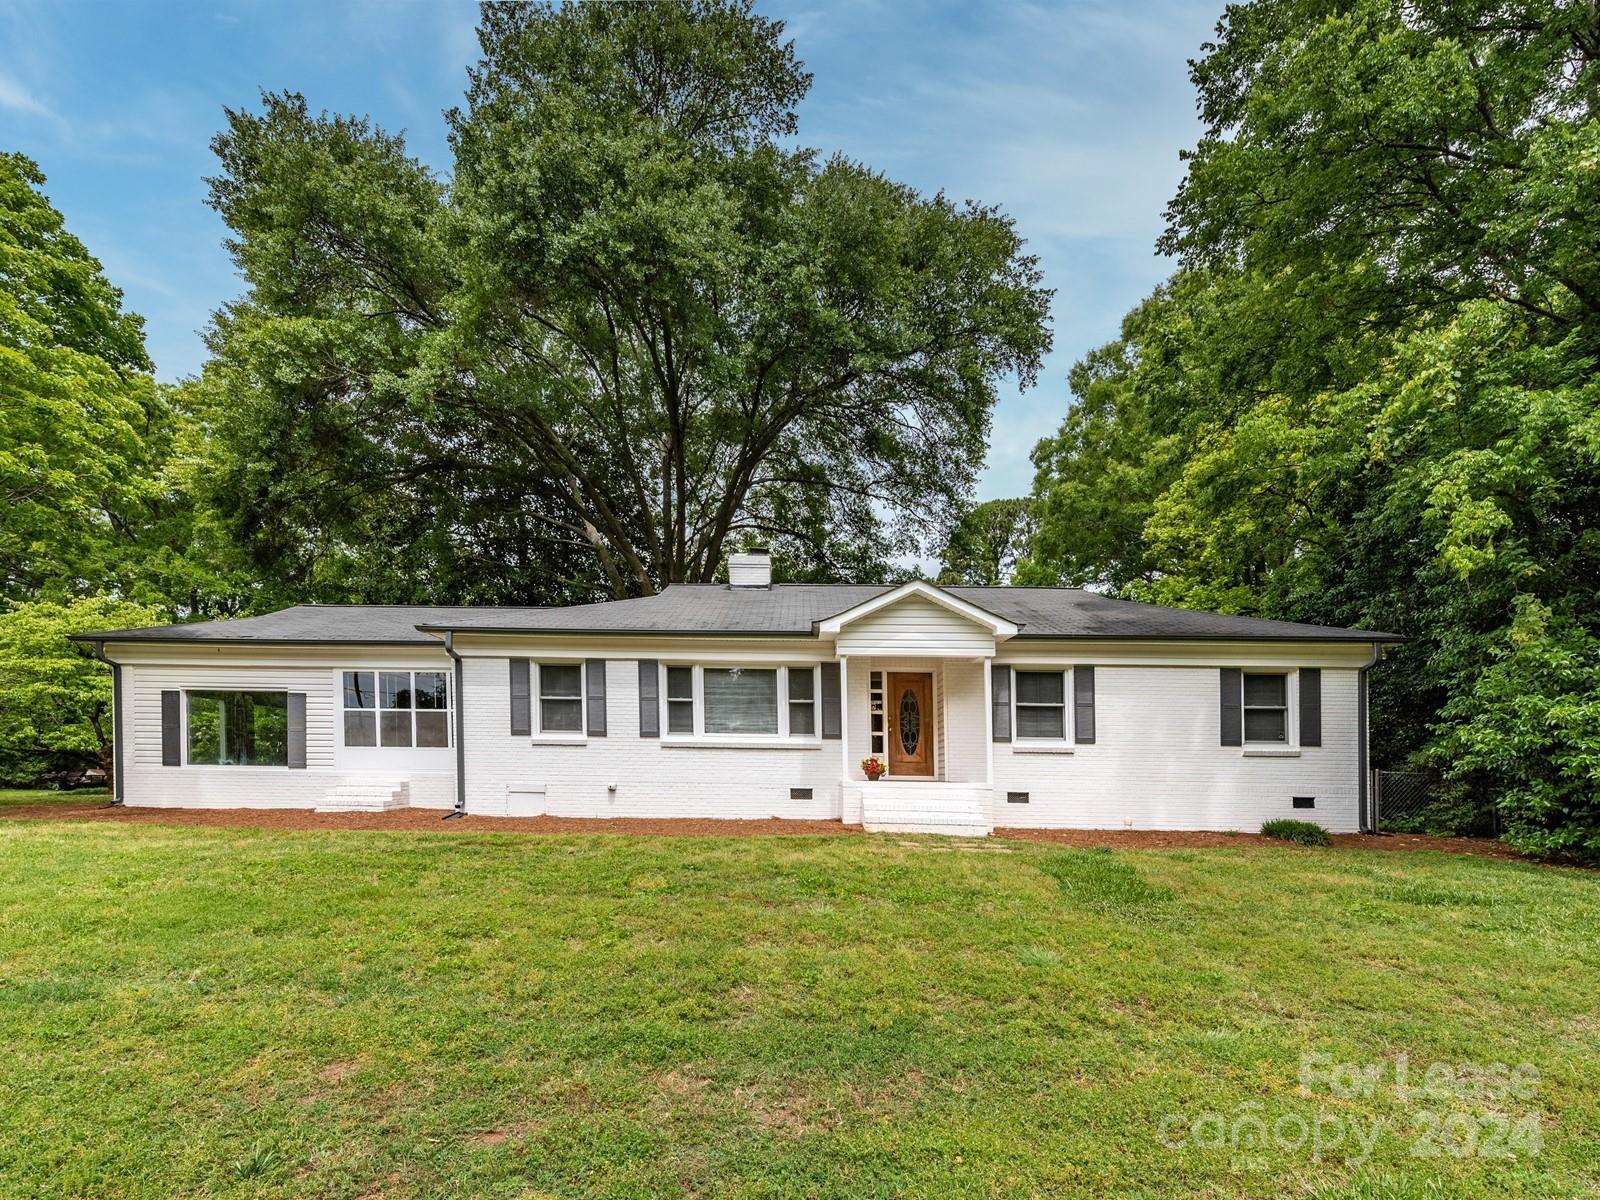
(1420, 802)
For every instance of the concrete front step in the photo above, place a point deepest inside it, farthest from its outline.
(905, 807)
(382, 796)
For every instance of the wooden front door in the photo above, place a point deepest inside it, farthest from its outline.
(910, 718)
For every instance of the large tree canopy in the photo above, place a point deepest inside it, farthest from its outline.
(1369, 396)
(91, 498)
(634, 328)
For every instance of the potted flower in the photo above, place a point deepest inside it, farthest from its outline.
(873, 767)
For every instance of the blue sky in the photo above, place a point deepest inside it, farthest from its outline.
(1069, 116)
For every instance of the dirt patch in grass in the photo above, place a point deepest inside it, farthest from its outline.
(338, 1072)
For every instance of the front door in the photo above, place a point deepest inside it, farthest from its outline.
(910, 723)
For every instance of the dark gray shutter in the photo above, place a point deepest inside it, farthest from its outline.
(1001, 695)
(1311, 706)
(595, 668)
(832, 725)
(171, 729)
(1083, 705)
(649, 698)
(1232, 706)
(297, 729)
(521, 701)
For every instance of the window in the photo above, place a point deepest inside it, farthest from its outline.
(1041, 704)
(680, 699)
(433, 702)
(741, 699)
(1266, 708)
(396, 708)
(246, 729)
(560, 698)
(802, 701)
(360, 709)
(875, 705)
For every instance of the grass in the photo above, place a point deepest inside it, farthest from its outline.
(20, 797)
(244, 1013)
(1302, 833)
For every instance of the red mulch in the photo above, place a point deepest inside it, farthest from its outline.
(414, 819)
(430, 820)
(1156, 839)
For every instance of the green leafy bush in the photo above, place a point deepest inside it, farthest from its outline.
(1530, 730)
(1302, 833)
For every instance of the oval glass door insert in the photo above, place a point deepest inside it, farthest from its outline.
(910, 722)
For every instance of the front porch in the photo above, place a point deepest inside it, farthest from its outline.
(927, 719)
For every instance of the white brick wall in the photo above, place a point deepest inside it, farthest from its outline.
(1157, 761)
(654, 777)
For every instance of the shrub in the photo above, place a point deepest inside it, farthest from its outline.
(1302, 833)
(1529, 732)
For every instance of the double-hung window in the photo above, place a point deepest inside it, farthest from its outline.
(1041, 700)
(560, 698)
(680, 699)
(802, 702)
(742, 701)
(396, 709)
(1266, 708)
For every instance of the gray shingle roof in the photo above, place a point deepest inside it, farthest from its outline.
(715, 609)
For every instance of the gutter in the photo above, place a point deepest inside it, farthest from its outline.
(97, 649)
(1368, 820)
(460, 809)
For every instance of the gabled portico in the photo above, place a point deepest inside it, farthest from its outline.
(914, 685)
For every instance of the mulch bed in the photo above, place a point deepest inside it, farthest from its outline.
(1156, 839)
(430, 821)
(417, 820)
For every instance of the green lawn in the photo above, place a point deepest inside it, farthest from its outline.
(17, 797)
(232, 1012)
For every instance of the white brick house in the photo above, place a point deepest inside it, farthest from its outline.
(1047, 707)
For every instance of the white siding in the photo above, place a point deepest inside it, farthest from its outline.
(654, 777)
(148, 783)
(1157, 761)
(966, 723)
(915, 625)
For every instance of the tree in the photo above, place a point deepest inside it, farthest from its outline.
(634, 327)
(1368, 396)
(90, 498)
(989, 541)
(55, 702)
(79, 399)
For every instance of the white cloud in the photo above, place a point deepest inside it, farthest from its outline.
(17, 98)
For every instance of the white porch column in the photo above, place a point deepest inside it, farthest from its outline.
(986, 665)
(844, 724)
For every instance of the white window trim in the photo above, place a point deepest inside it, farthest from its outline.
(1290, 746)
(183, 733)
(449, 709)
(558, 737)
(1043, 745)
(782, 740)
